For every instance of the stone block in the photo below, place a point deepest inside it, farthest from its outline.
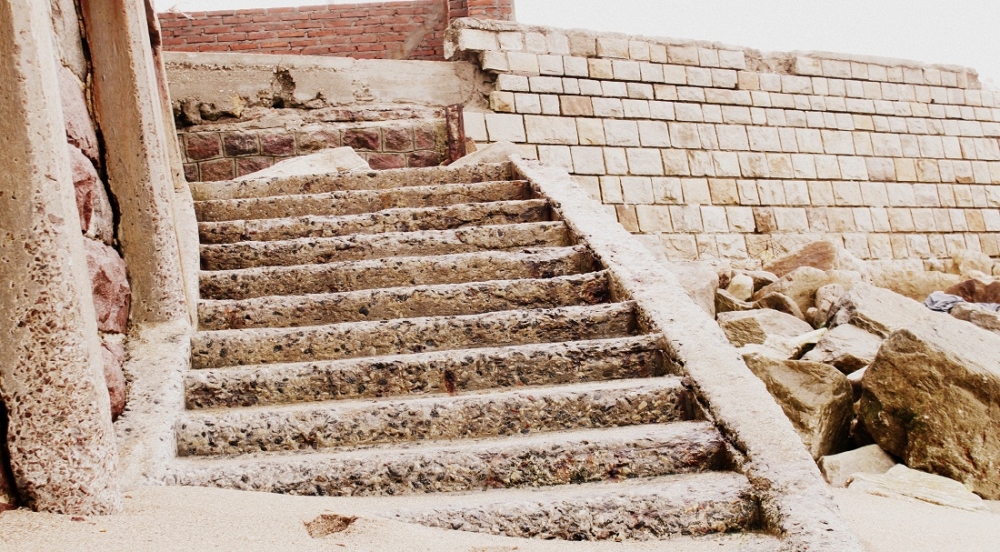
(903, 482)
(236, 144)
(743, 328)
(363, 139)
(846, 348)
(277, 144)
(644, 162)
(839, 469)
(384, 161)
(110, 287)
(309, 140)
(550, 130)
(250, 165)
(202, 146)
(505, 127)
(613, 47)
(423, 159)
(219, 169)
(576, 106)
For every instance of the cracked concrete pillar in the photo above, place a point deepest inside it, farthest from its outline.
(61, 443)
(130, 115)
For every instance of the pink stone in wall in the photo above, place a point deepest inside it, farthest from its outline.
(85, 179)
(114, 359)
(109, 282)
(79, 126)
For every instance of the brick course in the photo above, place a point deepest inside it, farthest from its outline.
(387, 30)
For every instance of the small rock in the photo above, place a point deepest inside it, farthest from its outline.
(780, 303)
(741, 287)
(801, 284)
(838, 469)
(109, 283)
(983, 317)
(846, 347)
(725, 302)
(976, 291)
(901, 481)
(757, 325)
(114, 375)
(497, 152)
(327, 161)
(826, 297)
(815, 397)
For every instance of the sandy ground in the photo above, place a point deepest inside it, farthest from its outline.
(195, 519)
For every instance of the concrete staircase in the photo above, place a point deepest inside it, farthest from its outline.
(441, 331)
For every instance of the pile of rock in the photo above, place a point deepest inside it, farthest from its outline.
(864, 373)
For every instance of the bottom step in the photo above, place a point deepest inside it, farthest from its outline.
(640, 509)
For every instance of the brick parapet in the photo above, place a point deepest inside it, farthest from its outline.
(718, 151)
(390, 30)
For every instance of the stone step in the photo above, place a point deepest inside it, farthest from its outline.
(395, 272)
(404, 302)
(367, 422)
(353, 202)
(450, 371)
(358, 247)
(362, 180)
(215, 349)
(558, 458)
(389, 220)
(636, 509)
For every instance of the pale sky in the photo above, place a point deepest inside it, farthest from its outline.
(960, 32)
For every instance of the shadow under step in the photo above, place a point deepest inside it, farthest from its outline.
(359, 180)
(480, 266)
(558, 458)
(221, 348)
(352, 202)
(424, 373)
(447, 217)
(404, 302)
(361, 247)
(474, 415)
(636, 509)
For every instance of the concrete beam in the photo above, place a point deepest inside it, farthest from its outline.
(61, 443)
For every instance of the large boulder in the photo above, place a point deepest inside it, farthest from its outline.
(901, 481)
(756, 326)
(976, 291)
(846, 348)
(985, 318)
(932, 398)
(800, 285)
(822, 255)
(815, 397)
(876, 310)
(916, 284)
(109, 283)
(839, 469)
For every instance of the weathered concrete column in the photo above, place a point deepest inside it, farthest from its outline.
(61, 443)
(127, 105)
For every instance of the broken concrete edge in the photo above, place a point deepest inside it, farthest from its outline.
(794, 498)
(158, 356)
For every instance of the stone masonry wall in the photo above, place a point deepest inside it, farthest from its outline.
(712, 151)
(392, 30)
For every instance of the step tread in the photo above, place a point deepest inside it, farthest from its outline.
(543, 262)
(454, 370)
(307, 250)
(401, 219)
(402, 302)
(355, 422)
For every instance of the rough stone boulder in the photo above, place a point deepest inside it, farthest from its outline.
(725, 302)
(979, 315)
(780, 303)
(800, 285)
(916, 284)
(756, 326)
(966, 261)
(932, 398)
(96, 216)
(821, 255)
(847, 348)
(839, 469)
(109, 282)
(741, 287)
(332, 160)
(876, 310)
(901, 481)
(815, 397)
(976, 291)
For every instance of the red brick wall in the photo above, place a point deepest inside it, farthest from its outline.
(396, 30)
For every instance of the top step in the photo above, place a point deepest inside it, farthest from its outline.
(367, 180)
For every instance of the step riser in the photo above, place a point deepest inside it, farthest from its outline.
(632, 517)
(390, 220)
(359, 201)
(398, 272)
(233, 432)
(535, 365)
(367, 180)
(363, 247)
(695, 448)
(363, 339)
(385, 304)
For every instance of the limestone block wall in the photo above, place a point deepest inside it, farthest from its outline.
(390, 30)
(713, 151)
